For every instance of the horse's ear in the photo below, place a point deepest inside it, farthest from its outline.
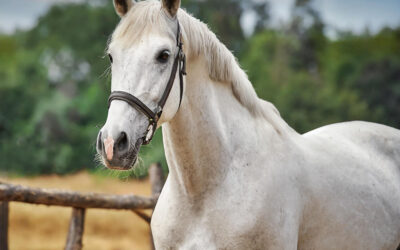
(171, 6)
(123, 6)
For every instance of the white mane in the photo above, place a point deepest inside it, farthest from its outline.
(147, 16)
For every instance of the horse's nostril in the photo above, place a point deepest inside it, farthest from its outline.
(122, 142)
(99, 143)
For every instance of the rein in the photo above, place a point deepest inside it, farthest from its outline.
(154, 116)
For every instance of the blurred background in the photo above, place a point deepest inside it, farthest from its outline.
(318, 61)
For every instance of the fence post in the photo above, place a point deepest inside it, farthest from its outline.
(4, 225)
(156, 179)
(157, 183)
(75, 231)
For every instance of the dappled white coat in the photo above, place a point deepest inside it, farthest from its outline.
(241, 178)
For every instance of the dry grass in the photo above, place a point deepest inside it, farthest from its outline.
(41, 227)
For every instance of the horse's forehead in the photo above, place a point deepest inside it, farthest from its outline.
(138, 27)
(144, 43)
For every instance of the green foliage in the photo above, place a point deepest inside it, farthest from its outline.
(54, 83)
(49, 97)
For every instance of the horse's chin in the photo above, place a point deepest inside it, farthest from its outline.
(125, 165)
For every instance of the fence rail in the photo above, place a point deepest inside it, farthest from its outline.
(79, 202)
(9, 192)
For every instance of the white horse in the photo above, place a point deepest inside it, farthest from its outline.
(240, 177)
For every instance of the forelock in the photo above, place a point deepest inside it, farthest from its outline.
(144, 17)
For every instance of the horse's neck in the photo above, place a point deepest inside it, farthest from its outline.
(211, 132)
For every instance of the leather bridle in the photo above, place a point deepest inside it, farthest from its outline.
(154, 116)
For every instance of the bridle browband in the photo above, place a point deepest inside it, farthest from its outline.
(154, 116)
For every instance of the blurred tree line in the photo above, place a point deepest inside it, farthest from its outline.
(54, 79)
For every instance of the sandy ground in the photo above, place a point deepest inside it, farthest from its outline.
(42, 227)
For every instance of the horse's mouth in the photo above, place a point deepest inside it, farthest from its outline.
(127, 161)
(127, 164)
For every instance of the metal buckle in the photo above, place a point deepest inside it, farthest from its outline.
(182, 60)
(150, 133)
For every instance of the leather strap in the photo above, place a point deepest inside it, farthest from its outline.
(154, 116)
(170, 83)
(132, 101)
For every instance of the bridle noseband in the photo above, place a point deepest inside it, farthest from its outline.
(154, 116)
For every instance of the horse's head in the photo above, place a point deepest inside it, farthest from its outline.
(147, 65)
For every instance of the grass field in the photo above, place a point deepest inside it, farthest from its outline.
(41, 227)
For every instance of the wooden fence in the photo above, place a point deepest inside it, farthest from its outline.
(79, 203)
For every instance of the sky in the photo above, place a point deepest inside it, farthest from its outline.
(353, 15)
(356, 15)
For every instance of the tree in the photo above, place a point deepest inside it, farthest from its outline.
(308, 27)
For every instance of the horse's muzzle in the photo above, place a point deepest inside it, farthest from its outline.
(118, 153)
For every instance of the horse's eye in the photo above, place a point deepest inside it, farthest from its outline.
(163, 56)
(110, 57)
